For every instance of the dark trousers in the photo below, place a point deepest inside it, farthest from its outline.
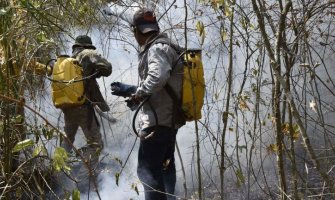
(156, 164)
(83, 116)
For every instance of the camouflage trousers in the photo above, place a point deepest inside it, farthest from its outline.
(84, 117)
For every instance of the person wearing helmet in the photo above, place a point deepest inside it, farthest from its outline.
(83, 116)
(158, 118)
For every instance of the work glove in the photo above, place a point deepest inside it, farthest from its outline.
(123, 90)
(133, 102)
(133, 105)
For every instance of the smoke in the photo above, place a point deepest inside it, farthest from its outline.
(123, 187)
(250, 165)
(124, 190)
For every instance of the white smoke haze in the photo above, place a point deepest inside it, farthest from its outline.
(246, 147)
(120, 137)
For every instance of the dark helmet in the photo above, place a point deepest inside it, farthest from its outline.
(83, 41)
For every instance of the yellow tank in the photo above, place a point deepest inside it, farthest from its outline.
(67, 84)
(193, 85)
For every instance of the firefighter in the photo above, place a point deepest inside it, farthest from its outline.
(158, 119)
(83, 115)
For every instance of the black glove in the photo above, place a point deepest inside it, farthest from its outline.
(133, 105)
(123, 90)
(134, 101)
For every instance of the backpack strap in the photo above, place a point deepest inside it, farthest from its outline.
(176, 101)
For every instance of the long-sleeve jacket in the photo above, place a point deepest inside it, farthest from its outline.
(156, 69)
(92, 62)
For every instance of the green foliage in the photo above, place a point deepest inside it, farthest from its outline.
(60, 159)
(39, 150)
(223, 34)
(119, 161)
(47, 132)
(41, 130)
(75, 194)
(41, 37)
(201, 29)
(295, 133)
(117, 178)
(254, 72)
(3, 11)
(22, 145)
(18, 119)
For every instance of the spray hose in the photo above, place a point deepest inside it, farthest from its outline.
(136, 113)
(147, 100)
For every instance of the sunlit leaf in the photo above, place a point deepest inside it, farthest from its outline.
(22, 145)
(75, 194)
(19, 119)
(47, 133)
(201, 29)
(252, 27)
(272, 148)
(227, 9)
(285, 128)
(117, 178)
(296, 132)
(243, 22)
(214, 4)
(67, 195)
(134, 187)
(245, 96)
(60, 158)
(243, 105)
(3, 11)
(254, 87)
(41, 37)
(304, 65)
(39, 150)
(254, 72)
